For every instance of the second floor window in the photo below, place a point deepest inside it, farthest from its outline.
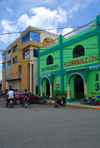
(26, 54)
(49, 60)
(15, 48)
(15, 60)
(35, 52)
(78, 51)
(96, 77)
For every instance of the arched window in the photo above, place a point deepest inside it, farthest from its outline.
(96, 77)
(78, 51)
(49, 60)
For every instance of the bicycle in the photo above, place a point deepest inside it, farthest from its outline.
(90, 101)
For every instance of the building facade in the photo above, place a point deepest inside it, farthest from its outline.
(72, 63)
(20, 60)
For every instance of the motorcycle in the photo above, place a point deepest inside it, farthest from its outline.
(27, 104)
(59, 102)
(44, 99)
(92, 101)
(11, 102)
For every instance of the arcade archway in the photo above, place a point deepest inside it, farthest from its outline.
(78, 88)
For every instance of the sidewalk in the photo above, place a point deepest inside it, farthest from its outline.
(77, 104)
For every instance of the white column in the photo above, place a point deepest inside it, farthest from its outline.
(85, 89)
(50, 90)
(31, 78)
(41, 90)
(18, 86)
(68, 91)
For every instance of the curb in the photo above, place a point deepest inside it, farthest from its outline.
(83, 106)
(88, 107)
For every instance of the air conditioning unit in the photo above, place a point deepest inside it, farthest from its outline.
(48, 39)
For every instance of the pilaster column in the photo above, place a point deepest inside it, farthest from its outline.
(68, 91)
(41, 90)
(85, 89)
(18, 85)
(31, 78)
(6, 85)
(50, 90)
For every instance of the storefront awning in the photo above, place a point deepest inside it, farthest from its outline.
(12, 79)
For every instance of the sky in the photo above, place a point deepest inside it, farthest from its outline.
(60, 16)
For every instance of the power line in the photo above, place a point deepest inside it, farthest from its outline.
(43, 29)
(93, 54)
(20, 49)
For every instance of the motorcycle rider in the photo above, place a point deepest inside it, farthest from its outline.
(26, 97)
(10, 95)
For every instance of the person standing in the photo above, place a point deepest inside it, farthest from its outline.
(26, 97)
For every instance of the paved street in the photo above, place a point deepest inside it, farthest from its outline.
(43, 126)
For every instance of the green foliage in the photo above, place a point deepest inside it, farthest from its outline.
(40, 93)
(6, 90)
(64, 94)
(56, 93)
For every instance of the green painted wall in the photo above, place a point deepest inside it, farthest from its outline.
(91, 83)
(89, 40)
(44, 86)
(56, 61)
(56, 80)
(72, 85)
(89, 45)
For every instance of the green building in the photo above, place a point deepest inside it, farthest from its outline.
(71, 63)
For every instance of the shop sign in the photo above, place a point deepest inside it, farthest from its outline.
(81, 61)
(57, 80)
(45, 75)
(57, 86)
(94, 66)
(50, 68)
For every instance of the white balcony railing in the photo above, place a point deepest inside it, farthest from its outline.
(80, 29)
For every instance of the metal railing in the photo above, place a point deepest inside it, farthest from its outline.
(80, 29)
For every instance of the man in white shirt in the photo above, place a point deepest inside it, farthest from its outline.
(10, 95)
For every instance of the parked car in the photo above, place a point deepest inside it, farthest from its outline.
(19, 96)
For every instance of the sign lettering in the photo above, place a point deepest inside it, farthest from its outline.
(49, 68)
(81, 61)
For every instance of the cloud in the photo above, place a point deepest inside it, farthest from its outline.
(74, 9)
(8, 27)
(9, 9)
(66, 30)
(39, 17)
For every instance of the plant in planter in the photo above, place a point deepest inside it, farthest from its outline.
(64, 94)
(56, 93)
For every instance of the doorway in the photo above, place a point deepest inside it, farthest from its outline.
(78, 88)
(47, 88)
